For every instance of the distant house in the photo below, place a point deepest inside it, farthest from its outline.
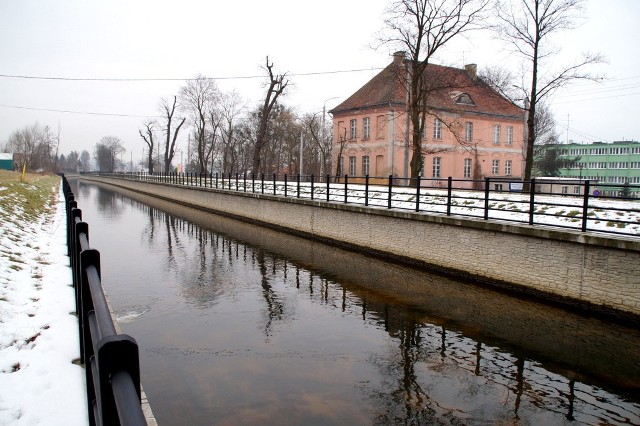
(6, 161)
(471, 131)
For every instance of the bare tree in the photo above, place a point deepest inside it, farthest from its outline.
(147, 137)
(199, 97)
(528, 26)
(276, 87)
(342, 141)
(32, 145)
(106, 153)
(422, 28)
(231, 106)
(168, 112)
(85, 161)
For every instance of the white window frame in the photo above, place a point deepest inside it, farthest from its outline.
(437, 167)
(495, 167)
(365, 165)
(353, 126)
(468, 163)
(366, 128)
(496, 134)
(507, 167)
(352, 165)
(509, 135)
(437, 128)
(468, 131)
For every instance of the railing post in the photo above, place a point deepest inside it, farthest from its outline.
(244, 182)
(253, 182)
(274, 184)
(115, 354)
(328, 186)
(486, 198)
(298, 195)
(585, 205)
(366, 190)
(449, 192)
(312, 186)
(390, 189)
(285, 186)
(346, 187)
(418, 193)
(262, 183)
(532, 199)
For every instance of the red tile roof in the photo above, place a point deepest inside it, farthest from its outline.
(446, 85)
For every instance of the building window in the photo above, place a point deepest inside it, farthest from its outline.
(464, 99)
(354, 129)
(352, 166)
(509, 135)
(467, 168)
(436, 166)
(507, 167)
(496, 134)
(365, 165)
(468, 131)
(495, 168)
(437, 128)
(366, 128)
(497, 187)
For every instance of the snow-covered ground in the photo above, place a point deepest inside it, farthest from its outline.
(40, 383)
(613, 216)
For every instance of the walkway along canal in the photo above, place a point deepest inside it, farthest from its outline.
(239, 324)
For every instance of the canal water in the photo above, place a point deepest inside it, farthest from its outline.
(242, 325)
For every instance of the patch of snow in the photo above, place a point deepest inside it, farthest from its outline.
(39, 382)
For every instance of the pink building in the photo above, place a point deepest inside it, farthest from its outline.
(471, 131)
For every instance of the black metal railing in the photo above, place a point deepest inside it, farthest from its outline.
(573, 204)
(111, 360)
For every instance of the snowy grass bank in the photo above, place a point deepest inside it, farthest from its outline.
(39, 382)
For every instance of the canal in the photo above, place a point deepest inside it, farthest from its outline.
(239, 324)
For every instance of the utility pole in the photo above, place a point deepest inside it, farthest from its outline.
(301, 150)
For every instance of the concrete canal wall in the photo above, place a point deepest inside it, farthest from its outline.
(599, 273)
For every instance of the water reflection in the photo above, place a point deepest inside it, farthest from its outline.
(239, 324)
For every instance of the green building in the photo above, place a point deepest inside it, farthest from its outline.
(6, 161)
(616, 163)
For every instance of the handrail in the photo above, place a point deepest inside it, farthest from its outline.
(111, 360)
(580, 205)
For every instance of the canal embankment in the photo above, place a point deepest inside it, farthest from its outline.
(593, 272)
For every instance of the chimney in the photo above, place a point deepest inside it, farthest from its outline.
(398, 57)
(472, 70)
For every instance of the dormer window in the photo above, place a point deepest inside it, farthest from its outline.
(461, 98)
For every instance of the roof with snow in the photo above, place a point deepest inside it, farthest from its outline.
(5, 156)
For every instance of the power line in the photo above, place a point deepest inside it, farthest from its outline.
(79, 112)
(246, 77)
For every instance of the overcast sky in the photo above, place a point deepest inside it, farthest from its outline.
(158, 39)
